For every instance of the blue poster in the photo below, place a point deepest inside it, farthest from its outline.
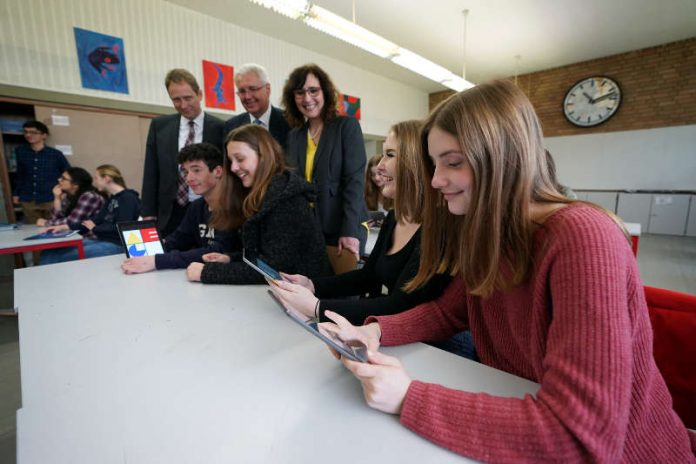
(102, 61)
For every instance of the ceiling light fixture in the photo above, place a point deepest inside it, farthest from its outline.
(342, 29)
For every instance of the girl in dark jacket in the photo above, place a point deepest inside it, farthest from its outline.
(270, 207)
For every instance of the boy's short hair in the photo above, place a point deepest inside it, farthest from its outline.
(206, 152)
(38, 125)
(180, 75)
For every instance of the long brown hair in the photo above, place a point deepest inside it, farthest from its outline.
(237, 203)
(410, 172)
(501, 139)
(373, 195)
(295, 81)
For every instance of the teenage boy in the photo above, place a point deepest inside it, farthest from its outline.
(201, 165)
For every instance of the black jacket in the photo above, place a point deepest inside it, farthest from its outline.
(338, 176)
(278, 126)
(194, 238)
(391, 271)
(284, 233)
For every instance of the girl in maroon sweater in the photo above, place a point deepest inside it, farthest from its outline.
(550, 291)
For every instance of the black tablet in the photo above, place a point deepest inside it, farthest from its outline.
(354, 350)
(140, 238)
(261, 266)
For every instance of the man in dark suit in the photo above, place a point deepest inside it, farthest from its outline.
(254, 92)
(165, 193)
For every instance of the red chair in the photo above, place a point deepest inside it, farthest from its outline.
(673, 318)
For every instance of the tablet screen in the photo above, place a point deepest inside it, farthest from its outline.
(140, 238)
(261, 267)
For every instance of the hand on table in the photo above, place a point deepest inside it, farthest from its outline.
(138, 264)
(295, 296)
(41, 222)
(57, 228)
(350, 244)
(194, 271)
(216, 258)
(89, 224)
(299, 279)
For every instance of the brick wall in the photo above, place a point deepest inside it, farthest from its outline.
(658, 86)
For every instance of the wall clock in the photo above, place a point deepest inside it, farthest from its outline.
(592, 101)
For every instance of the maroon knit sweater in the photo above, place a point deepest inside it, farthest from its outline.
(580, 328)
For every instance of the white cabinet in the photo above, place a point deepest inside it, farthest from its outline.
(635, 207)
(691, 223)
(668, 214)
(606, 200)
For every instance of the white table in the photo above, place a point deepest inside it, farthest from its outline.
(13, 241)
(152, 369)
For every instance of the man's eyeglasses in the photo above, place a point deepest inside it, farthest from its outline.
(66, 179)
(311, 91)
(248, 90)
(32, 132)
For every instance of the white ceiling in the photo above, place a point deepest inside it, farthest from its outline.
(543, 33)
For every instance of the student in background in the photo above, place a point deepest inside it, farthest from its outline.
(101, 235)
(74, 199)
(269, 205)
(550, 290)
(374, 200)
(328, 150)
(394, 259)
(201, 164)
(38, 167)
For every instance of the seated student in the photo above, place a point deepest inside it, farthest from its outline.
(270, 205)
(74, 199)
(101, 235)
(374, 197)
(394, 259)
(201, 164)
(550, 290)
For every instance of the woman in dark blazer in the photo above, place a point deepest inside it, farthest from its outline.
(329, 152)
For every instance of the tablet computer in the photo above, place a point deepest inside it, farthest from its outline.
(261, 266)
(140, 238)
(354, 350)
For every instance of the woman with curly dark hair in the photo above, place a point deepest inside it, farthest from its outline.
(329, 152)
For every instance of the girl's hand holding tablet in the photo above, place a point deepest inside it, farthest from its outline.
(384, 380)
(295, 296)
(299, 280)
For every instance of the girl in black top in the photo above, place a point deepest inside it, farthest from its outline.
(395, 257)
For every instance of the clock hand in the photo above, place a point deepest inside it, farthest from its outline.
(589, 99)
(603, 97)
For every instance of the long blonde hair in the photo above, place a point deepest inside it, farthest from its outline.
(113, 172)
(501, 139)
(236, 202)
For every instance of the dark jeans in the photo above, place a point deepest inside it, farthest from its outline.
(461, 344)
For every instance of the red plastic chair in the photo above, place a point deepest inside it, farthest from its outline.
(673, 318)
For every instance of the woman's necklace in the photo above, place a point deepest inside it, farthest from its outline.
(316, 134)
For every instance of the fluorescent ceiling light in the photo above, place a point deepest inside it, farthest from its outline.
(340, 28)
(334, 25)
(294, 9)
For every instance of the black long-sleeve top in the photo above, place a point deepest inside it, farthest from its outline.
(122, 206)
(381, 269)
(194, 237)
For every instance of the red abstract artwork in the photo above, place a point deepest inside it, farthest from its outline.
(218, 85)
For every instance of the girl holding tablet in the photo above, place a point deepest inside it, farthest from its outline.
(550, 290)
(395, 257)
(269, 206)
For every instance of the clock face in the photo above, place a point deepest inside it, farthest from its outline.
(592, 101)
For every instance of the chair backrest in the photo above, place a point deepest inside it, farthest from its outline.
(673, 318)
